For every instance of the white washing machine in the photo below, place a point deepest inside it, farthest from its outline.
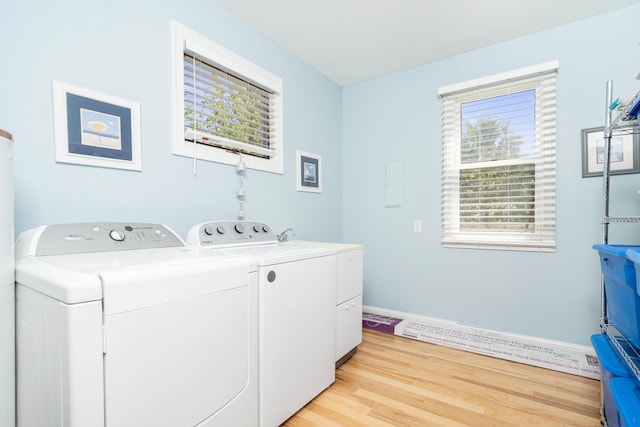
(121, 324)
(296, 311)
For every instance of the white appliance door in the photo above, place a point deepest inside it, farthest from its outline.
(177, 363)
(348, 326)
(350, 272)
(59, 362)
(297, 335)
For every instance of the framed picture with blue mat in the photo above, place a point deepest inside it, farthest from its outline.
(309, 172)
(95, 129)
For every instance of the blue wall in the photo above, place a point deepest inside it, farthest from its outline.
(398, 117)
(123, 49)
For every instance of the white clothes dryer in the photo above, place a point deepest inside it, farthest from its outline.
(296, 310)
(121, 324)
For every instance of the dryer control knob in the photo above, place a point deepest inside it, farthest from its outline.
(257, 228)
(208, 230)
(220, 229)
(117, 235)
(239, 228)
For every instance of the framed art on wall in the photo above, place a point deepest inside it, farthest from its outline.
(624, 153)
(309, 172)
(95, 129)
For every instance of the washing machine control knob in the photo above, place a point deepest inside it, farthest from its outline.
(117, 235)
(220, 229)
(239, 228)
(208, 230)
(257, 228)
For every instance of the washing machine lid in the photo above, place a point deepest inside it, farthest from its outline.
(62, 260)
(68, 265)
(132, 279)
(148, 285)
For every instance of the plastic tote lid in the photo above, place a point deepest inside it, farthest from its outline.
(607, 356)
(618, 250)
(626, 396)
(634, 255)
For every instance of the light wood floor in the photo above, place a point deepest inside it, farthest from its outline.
(396, 381)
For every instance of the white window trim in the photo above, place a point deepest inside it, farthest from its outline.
(494, 78)
(185, 38)
(488, 240)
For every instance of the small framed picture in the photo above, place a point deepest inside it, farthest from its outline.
(624, 156)
(95, 129)
(309, 172)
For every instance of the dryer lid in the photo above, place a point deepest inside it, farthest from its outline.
(279, 253)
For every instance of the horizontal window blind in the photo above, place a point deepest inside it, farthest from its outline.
(498, 172)
(225, 110)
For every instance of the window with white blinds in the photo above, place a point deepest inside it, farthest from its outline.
(225, 105)
(498, 173)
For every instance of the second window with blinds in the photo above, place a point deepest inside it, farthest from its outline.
(499, 161)
(225, 106)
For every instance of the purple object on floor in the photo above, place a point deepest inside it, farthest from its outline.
(380, 323)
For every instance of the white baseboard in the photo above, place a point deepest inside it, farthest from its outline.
(555, 355)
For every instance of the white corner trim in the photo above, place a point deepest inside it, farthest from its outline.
(555, 355)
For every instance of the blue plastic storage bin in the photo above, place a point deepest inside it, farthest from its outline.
(623, 300)
(610, 367)
(626, 396)
(633, 255)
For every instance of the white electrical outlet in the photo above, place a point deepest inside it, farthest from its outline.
(417, 226)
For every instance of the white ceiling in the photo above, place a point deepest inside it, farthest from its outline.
(351, 41)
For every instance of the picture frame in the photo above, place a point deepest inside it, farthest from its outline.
(95, 129)
(308, 172)
(624, 152)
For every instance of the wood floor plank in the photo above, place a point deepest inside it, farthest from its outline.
(396, 381)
